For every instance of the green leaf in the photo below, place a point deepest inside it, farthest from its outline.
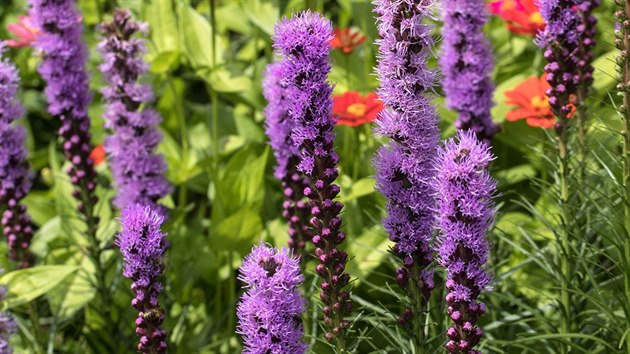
(516, 174)
(25, 285)
(161, 18)
(237, 232)
(358, 189)
(165, 62)
(603, 76)
(367, 251)
(197, 39)
(263, 14)
(74, 292)
(222, 80)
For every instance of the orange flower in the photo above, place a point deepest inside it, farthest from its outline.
(25, 32)
(531, 103)
(521, 16)
(346, 39)
(98, 155)
(352, 109)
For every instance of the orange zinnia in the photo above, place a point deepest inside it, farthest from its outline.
(521, 16)
(25, 32)
(532, 103)
(346, 39)
(352, 109)
(98, 155)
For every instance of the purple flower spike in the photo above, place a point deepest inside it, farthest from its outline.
(279, 127)
(303, 43)
(67, 90)
(466, 64)
(270, 311)
(465, 194)
(142, 245)
(14, 169)
(137, 170)
(403, 168)
(8, 326)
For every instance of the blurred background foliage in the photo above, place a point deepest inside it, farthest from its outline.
(206, 61)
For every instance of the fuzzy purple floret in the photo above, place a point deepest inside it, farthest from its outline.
(404, 168)
(8, 326)
(67, 91)
(270, 311)
(137, 170)
(465, 211)
(142, 245)
(14, 169)
(279, 126)
(466, 64)
(303, 43)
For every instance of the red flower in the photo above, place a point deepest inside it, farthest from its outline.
(346, 39)
(98, 155)
(353, 110)
(25, 32)
(532, 103)
(522, 16)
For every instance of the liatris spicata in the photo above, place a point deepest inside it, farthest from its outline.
(303, 42)
(465, 210)
(142, 245)
(270, 310)
(7, 326)
(466, 64)
(67, 90)
(14, 169)
(137, 170)
(279, 126)
(403, 168)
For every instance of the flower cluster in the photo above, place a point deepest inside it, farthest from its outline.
(270, 311)
(63, 69)
(567, 41)
(137, 170)
(352, 109)
(14, 169)
(278, 127)
(303, 42)
(521, 16)
(403, 167)
(142, 245)
(7, 326)
(465, 209)
(466, 64)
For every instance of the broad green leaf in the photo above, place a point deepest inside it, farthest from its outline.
(74, 293)
(27, 284)
(263, 14)
(358, 189)
(165, 62)
(237, 232)
(197, 39)
(603, 76)
(222, 80)
(44, 235)
(516, 174)
(367, 251)
(163, 25)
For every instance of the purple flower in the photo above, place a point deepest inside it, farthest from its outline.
(14, 169)
(303, 43)
(67, 90)
(567, 40)
(142, 245)
(137, 170)
(465, 210)
(278, 127)
(7, 326)
(404, 169)
(466, 63)
(270, 311)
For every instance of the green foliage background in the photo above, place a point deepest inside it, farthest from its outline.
(206, 64)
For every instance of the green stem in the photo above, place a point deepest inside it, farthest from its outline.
(419, 312)
(566, 267)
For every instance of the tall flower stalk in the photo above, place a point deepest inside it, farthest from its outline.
(270, 311)
(137, 170)
(303, 42)
(14, 169)
(622, 42)
(404, 169)
(465, 210)
(67, 90)
(279, 126)
(142, 245)
(561, 41)
(466, 64)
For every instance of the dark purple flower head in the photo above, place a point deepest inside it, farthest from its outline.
(403, 167)
(466, 63)
(465, 211)
(303, 43)
(270, 311)
(67, 90)
(14, 169)
(142, 245)
(279, 127)
(137, 170)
